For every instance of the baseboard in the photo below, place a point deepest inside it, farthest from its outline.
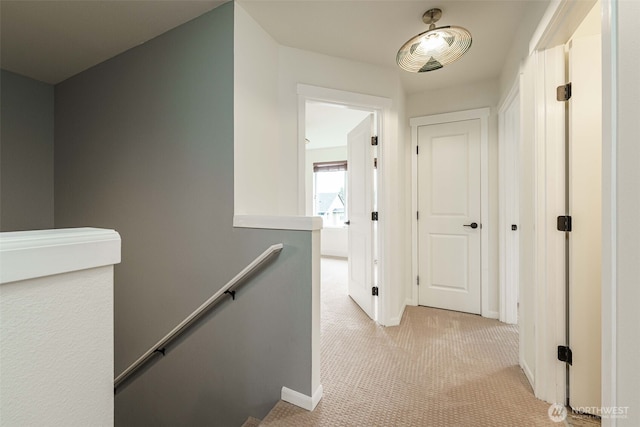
(329, 256)
(528, 374)
(395, 321)
(492, 315)
(302, 400)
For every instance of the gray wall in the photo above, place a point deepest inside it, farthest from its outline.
(26, 153)
(144, 145)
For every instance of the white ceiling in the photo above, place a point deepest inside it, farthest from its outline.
(373, 31)
(53, 40)
(327, 125)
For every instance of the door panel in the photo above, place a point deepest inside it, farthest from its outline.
(449, 164)
(359, 207)
(448, 199)
(444, 248)
(585, 206)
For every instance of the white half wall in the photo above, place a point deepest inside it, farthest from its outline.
(56, 335)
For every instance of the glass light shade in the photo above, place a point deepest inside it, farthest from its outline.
(434, 49)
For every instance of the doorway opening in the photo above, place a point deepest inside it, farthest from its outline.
(341, 189)
(340, 166)
(451, 222)
(560, 317)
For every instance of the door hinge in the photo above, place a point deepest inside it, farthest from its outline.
(375, 163)
(374, 216)
(417, 149)
(374, 291)
(564, 223)
(418, 280)
(374, 140)
(417, 215)
(563, 92)
(564, 354)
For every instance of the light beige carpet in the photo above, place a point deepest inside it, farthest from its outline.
(438, 368)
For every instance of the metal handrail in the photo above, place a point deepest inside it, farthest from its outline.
(197, 314)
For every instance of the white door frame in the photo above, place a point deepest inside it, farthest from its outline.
(550, 267)
(481, 114)
(382, 107)
(611, 86)
(508, 301)
(547, 50)
(618, 274)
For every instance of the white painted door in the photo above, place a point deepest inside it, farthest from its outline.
(449, 224)
(509, 178)
(585, 207)
(359, 208)
(526, 230)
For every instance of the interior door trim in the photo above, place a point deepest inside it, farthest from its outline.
(481, 114)
(386, 314)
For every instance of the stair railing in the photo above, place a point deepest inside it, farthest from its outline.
(228, 289)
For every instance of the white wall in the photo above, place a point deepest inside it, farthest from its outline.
(257, 157)
(476, 95)
(266, 162)
(300, 66)
(519, 49)
(621, 209)
(57, 350)
(334, 241)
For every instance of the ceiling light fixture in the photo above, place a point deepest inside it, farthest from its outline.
(434, 48)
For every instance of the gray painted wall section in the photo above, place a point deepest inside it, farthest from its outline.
(26, 153)
(144, 145)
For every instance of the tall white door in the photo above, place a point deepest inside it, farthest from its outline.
(511, 210)
(449, 267)
(526, 231)
(585, 207)
(359, 207)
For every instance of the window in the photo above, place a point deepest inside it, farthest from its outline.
(329, 195)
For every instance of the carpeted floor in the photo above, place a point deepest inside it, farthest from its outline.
(438, 368)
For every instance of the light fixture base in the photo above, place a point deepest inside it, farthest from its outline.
(432, 16)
